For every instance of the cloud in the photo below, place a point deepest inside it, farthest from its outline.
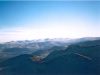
(59, 31)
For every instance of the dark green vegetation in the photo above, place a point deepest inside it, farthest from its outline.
(81, 58)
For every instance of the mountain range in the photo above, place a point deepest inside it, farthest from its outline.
(51, 57)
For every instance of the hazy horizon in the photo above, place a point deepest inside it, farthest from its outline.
(28, 20)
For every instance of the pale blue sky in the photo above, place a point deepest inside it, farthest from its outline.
(49, 19)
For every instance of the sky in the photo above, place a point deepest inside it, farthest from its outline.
(28, 20)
